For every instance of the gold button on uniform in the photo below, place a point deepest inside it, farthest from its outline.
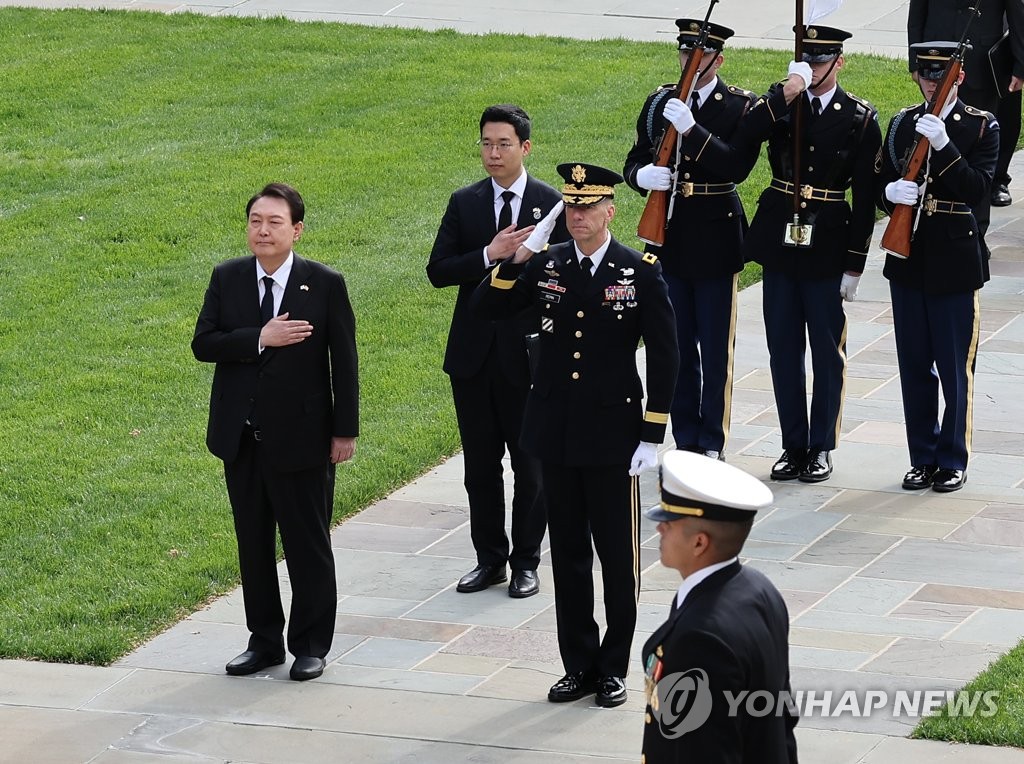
(580, 334)
(575, 375)
(576, 355)
(579, 314)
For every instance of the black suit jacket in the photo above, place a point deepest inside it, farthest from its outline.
(300, 395)
(585, 403)
(929, 20)
(735, 628)
(838, 152)
(705, 235)
(457, 259)
(946, 253)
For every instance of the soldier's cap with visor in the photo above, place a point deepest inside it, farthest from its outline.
(692, 485)
(689, 31)
(931, 58)
(822, 44)
(586, 184)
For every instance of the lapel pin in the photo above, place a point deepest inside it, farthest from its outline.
(304, 288)
(536, 213)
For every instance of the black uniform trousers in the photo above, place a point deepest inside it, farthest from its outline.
(797, 311)
(937, 337)
(705, 311)
(300, 503)
(1009, 116)
(489, 410)
(602, 503)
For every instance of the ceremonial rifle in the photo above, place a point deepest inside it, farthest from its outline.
(798, 234)
(656, 214)
(900, 230)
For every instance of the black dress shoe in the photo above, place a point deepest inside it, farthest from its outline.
(524, 583)
(307, 667)
(817, 468)
(611, 691)
(480, 577)
(572, 687)
(947, 481)
(252, 661)
(1001, 196)
(918, 478)
(789, 464)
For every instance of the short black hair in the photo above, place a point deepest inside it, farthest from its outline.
(510, 113)
(296, 206)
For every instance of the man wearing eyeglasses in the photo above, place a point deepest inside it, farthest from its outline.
(487, 361)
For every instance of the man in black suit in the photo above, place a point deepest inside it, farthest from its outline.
(584, 418)
(727, 632)
(487, 360)
(935, 292)
(806, 281)
(283, 412)
(702, 253)
(994, 69)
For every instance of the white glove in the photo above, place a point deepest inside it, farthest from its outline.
(679, 114)
(803, 69)
(654, 178)
(848, 287)
(537, 240)
(902, 192)
(644, 458)
(934, 129)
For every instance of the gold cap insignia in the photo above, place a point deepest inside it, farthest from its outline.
(933, 52)
(694, 26)
(812, 33)
(579, 174)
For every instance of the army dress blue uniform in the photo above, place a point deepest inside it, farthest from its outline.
(935, 292)
(584, 419)
(702, 252)
(801, 284)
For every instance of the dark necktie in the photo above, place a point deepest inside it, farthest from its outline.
(695, 101)
(505, 215)
(815, 107)
(267, 306)
(585, 264)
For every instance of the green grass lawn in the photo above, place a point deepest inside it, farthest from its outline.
(129, 143)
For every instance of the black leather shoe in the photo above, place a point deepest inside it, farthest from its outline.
(1001, 196)
(307, 667)
(572, 687)
(947, 481)
(611, 692)
(817, 468)
(480, 577)
(252, 661)
(918, 478)
(524, 583)
(789, 464)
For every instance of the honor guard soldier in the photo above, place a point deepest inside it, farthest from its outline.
(727, 632)
(702, 252)
(806, 280)
(935, 290)
(585, 419)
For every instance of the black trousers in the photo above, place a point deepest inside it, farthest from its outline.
(600, 504)
(1009, 131)
(489, 410)
(264, 499)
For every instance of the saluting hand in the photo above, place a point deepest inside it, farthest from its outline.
(279, 331)
(934, 129)
(506, 242)
(541, 233)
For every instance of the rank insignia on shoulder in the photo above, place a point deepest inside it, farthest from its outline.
(649, 258)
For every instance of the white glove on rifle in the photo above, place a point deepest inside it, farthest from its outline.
(537, 240)
(934, 129)
(644, 458)
(654, 178)
(848, 287)
(803, 69)
(679, 114)
(902, 192)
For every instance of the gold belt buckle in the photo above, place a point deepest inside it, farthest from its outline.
(686, 189)
(931, 204)
(806, 192)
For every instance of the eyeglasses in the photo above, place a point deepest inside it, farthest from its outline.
(504, 147)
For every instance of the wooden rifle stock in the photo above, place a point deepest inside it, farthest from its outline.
(654, 219)
(899, 231)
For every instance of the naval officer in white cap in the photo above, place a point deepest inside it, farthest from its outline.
(728, 631)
